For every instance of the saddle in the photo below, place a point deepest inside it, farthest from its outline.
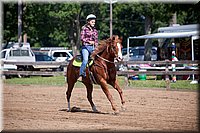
(78, 61)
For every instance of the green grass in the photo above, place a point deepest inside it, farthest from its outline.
(180, 84)
(37, 80)
(60, 81)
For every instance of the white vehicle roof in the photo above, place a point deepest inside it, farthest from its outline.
(57, 50)
(142, 47)
(10, 54)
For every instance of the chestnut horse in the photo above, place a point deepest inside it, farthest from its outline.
(103, 69)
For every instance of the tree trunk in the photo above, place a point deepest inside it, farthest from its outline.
(148, 42)
(76, 43)
(19, 22)
(173, 19)
(71, 36)
(78, 36)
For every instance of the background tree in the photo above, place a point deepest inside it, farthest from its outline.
(59, 24)
(10, 26)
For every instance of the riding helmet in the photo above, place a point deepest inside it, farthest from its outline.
(91, 16)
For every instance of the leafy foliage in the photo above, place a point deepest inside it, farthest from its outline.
(59, 24)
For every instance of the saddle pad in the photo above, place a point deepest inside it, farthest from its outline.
(78, 63)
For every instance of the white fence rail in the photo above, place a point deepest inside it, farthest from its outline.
(163, 69)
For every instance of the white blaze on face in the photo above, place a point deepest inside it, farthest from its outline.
(120, 51)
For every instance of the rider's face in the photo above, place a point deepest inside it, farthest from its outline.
(92, 22)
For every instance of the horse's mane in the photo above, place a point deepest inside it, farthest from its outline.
(102, 46)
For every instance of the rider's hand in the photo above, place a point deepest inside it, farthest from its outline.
(91, 42)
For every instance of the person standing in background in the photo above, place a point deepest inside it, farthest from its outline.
(174, 58)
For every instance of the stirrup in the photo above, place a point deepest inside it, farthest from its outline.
(80, 79)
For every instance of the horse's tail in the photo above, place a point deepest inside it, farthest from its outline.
(72, 71)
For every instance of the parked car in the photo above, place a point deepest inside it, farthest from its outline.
(17, 54)
(41, 57)
(124, 51)
(61, 55)
(24, 54)
(137, 53)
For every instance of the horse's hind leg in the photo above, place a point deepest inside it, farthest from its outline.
(68, 94)
(89, 96)
(116, 86)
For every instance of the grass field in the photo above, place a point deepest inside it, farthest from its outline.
(60, 81)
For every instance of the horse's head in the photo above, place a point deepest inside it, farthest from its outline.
(116, 47)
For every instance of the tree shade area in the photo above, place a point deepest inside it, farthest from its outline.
(58, 24)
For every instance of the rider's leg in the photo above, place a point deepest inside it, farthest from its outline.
(85, 55)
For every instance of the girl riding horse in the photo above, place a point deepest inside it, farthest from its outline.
(103, 70)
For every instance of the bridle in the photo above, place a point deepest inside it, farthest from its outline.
(105, 59)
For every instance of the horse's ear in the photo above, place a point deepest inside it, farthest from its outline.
(109, 40)
(113, 38)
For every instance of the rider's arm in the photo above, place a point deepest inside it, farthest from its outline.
(84, 36)
(96, 37)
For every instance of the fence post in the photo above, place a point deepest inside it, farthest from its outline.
(65, 73)
(127, 83)
(167, 75)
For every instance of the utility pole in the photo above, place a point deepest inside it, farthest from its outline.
(111, 18)
(19, 22)
(110, 2)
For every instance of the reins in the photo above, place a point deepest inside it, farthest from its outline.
(105, 59)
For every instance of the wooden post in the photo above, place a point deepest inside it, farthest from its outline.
(65, 73)
(25, 39)
(127, 83)
(167, 75)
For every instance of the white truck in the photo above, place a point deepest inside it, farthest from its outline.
(23, 54)
(17, 54)
(59, 54)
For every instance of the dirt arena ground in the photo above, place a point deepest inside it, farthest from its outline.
(43, 108)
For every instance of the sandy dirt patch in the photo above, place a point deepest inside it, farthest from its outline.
(43, 108)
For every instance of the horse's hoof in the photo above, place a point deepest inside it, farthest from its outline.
(75, 109)
(123, 108)
(116, 112)
(94, 109)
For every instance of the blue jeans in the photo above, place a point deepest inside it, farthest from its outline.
(86, 51)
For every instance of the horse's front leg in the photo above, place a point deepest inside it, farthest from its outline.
(104, 87)
(117, 87)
